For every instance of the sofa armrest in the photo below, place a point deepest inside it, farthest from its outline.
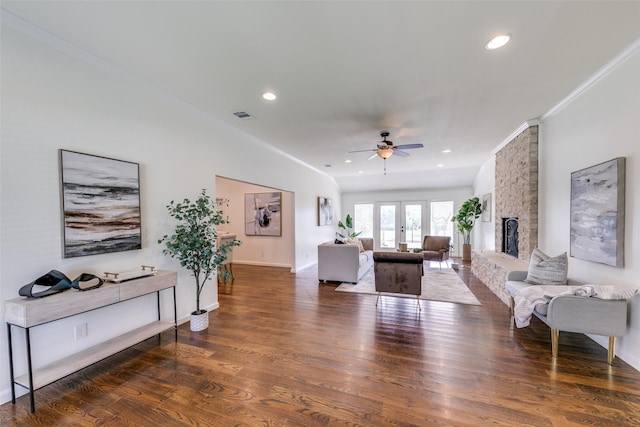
(517, 276)
(338, 262)
(587, 315)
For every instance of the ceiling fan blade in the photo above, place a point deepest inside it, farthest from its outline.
(409, 146)
(373, 156)
(400, 153)
(360, 151)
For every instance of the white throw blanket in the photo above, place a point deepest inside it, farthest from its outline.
(528, 298)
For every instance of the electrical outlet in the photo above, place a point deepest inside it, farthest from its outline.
(80, 331)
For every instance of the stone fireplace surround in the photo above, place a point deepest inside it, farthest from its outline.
(516, 196)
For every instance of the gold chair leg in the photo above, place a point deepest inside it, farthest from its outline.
(377, 299)
(418, 301)
(555, 334)
(512, 307)
(612, 350)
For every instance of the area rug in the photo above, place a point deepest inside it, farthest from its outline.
(437, 285)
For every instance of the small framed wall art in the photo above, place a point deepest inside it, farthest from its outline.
(486, 208)
(263, 214)
(100, 205)
(325, 211)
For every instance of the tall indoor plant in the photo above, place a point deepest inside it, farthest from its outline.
(466, 219)
(194, 244)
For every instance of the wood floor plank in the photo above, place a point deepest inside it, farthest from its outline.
(286, 350)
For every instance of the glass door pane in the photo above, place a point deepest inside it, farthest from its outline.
(388, 225)
(412, 225)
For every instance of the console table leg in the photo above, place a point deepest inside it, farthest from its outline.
(31, 391)
(175, 314)
(13, 384)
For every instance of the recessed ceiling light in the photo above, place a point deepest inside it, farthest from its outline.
(440, 165)
(360, 171)
(498, 41)
(446, 151)
(269, 96)
(347, 161)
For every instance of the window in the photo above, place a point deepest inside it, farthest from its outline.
(441, 214)
(363, 219)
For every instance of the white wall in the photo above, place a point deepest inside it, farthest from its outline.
(457, 194)
(599, 125)
(275, 251)
(54, 96)
(484, 233)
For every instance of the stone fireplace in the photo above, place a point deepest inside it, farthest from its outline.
(517, 194)
(516, 213)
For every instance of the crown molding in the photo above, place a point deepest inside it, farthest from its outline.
(610, 66)
(512, 135)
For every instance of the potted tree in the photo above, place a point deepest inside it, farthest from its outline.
(466, 219)
(194, 244)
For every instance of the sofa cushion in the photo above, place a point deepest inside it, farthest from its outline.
(546, 270)
(515, 286)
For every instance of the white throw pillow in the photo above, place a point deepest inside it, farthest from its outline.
(546, 270)
(360, 245)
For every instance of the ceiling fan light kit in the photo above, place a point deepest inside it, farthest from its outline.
(386, 149)
(384, 152)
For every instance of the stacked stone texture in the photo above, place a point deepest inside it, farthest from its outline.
(516, 191)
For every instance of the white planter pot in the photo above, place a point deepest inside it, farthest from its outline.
(199, 322)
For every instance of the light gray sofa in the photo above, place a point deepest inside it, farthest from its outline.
(571, 313)
(344, 262)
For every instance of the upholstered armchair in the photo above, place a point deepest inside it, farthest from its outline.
(398, 272)
(436, 248)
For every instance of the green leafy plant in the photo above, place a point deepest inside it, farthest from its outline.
(347, 225)
(466, 218)
(194, 242)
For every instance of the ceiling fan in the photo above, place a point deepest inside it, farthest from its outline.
(386, 148)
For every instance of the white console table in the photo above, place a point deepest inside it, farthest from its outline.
(27, 313)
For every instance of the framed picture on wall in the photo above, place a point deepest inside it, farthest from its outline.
(597, 213)
(486, 208)
(325, 211)
(263, 214)
(100, 205)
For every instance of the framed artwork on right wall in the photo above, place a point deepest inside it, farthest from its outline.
(597, 213)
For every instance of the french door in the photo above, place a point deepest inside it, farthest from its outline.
(400, 222)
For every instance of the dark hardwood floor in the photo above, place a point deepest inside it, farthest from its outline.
(285, 350)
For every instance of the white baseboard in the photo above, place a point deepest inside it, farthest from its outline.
(299, 269)
(263, 264)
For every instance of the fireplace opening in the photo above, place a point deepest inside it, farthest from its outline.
(510, 236)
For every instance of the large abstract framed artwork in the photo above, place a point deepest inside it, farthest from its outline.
(325, 211)
(262, 214)
(100, 205)
(597, 213)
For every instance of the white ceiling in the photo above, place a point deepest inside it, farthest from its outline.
(344, 71)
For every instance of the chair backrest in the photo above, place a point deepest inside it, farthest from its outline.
(435, 243)
(225, 238)
(398, 272)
